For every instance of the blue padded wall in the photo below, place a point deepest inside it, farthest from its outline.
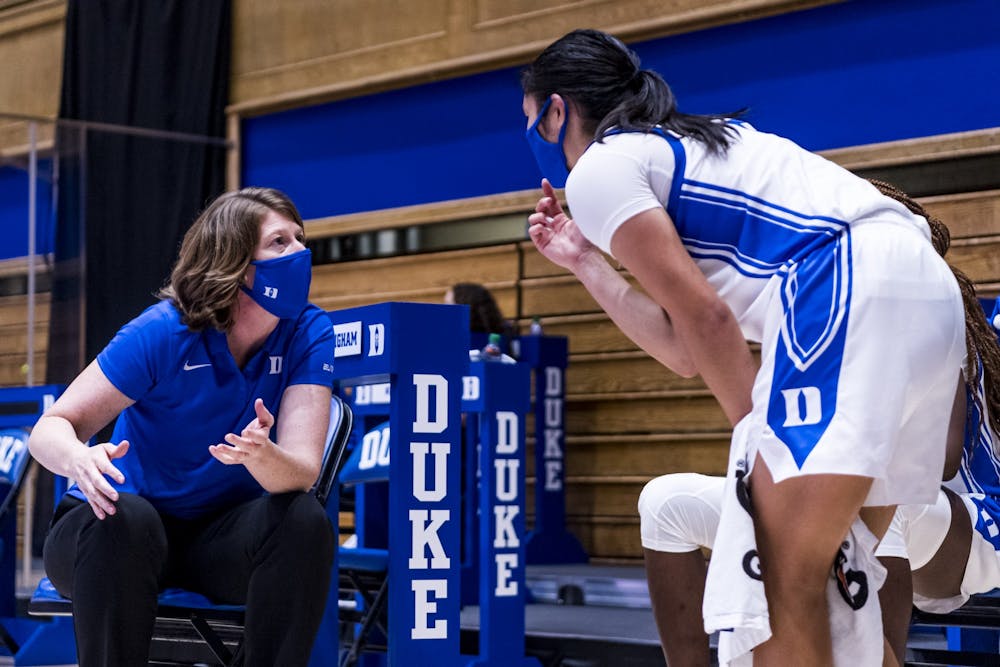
(14, 210)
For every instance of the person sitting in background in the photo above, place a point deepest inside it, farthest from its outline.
(484, 313)
(192, 491)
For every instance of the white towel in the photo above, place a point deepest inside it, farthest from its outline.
(735, 604)
(852, 595)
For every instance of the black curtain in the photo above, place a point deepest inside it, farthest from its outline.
(154, 65)
(125, 201)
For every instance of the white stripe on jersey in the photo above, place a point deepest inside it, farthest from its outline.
(837, 309)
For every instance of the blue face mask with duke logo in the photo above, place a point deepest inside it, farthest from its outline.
(550, 156)
(281, 284)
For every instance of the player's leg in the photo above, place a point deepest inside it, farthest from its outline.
(800, 524)
(939, 539)
(896, 595)
(679, 513)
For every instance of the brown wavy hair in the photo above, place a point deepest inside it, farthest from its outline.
(484, 314)
(980, 338)
(216, 252)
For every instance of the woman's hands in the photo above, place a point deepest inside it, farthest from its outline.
(250, 443)
(555, 234)
(88, 467)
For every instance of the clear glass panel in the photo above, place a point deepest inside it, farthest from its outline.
(44, 178)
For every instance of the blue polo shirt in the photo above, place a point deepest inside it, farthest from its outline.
(189, 394)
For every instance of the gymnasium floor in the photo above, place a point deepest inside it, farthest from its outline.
(599, 616)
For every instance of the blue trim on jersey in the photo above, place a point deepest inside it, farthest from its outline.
(711, 186)
(816, 299)
(765, 215)
(680, 165)
(988, 518)
(767, 268)
(840, 276)
(749, 233)
(757, 240)
(980, 468)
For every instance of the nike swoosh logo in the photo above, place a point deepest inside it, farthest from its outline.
(189, 367)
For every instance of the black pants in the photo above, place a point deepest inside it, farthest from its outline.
(272, 554)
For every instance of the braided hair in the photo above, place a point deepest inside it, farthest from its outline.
(979, 335)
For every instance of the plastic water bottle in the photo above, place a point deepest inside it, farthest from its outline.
(536, 327)
(492, 351)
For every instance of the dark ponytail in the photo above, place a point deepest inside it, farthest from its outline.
(603, 80)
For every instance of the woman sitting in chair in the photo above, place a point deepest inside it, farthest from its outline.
(192, 491)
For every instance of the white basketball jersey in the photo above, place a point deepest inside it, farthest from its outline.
(744, 216)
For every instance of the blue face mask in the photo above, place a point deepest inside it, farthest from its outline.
(550, 156)
(281, 284)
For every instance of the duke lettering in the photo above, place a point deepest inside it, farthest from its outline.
(506, 563)
(553, 452)
(425, 535)
(375, 449)
(440, 489)
(507, 466)
(506, 432)
(425, 422)
(275, 364)
(506, 536)
(506, 483)
(470, 388)
(424, 607)
(812, 399)
(10, 447)
(430, 488)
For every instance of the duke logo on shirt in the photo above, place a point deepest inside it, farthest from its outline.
(275, 365)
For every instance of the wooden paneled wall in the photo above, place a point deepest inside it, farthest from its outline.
(14, 338)
(31, 38)
(288, 54)
(293, 54)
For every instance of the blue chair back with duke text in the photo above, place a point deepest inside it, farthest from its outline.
(14, 461)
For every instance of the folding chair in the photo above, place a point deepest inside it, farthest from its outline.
(220, 627)
(363, 569)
